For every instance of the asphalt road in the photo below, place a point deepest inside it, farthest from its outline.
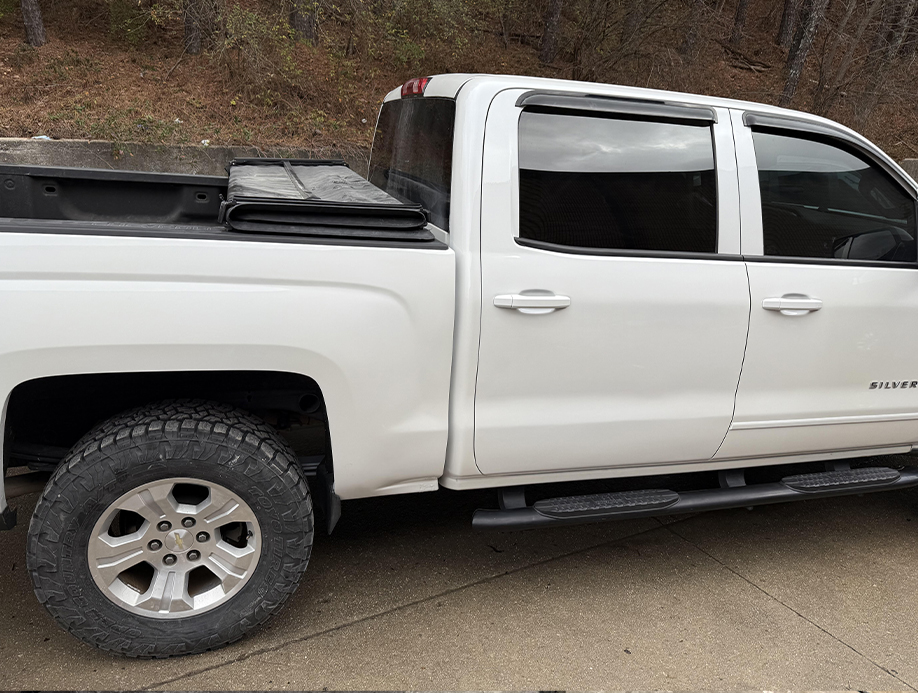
(815, 595)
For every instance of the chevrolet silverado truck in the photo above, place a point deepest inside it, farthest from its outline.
(540, 281)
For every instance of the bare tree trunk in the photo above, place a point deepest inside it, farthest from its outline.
(210, 22)
(200, 18)
(825, 69)
(896, 30)
(838, 81)
(633, 20)
(192, 13)
(911, 41)
(303, 20)
(739, 21)
(788, 23)
(803, 13)
(813, 13)
(688, 49)
(34, 26)
(549, 48)
(882, 37)
(592, 31)
(901, 30)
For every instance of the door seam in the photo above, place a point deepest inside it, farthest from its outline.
(742, 363)
(739, 378)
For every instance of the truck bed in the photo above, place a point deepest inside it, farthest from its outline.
(304, 199)
(78, 194)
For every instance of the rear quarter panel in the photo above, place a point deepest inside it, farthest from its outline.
(373, 326)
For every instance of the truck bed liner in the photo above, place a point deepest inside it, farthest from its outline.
(98, 195)
(271, 199)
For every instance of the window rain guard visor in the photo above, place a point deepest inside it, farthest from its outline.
(566, 101)
(772, 122)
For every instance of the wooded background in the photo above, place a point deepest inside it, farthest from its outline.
(298, 71)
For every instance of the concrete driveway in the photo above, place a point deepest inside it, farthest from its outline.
(405, 595)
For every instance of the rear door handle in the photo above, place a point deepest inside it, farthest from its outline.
(536, 303)
(793, 304)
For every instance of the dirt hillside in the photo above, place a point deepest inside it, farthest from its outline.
(94, 79)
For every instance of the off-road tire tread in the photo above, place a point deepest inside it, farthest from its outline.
(102, 457)
(161, 411)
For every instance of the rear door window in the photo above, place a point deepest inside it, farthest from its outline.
(617, 183)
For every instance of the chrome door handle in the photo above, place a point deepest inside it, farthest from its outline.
(792, 304)
(536, 303)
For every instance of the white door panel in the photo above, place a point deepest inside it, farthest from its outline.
(806, 378)
(641, 368)
(641, 364)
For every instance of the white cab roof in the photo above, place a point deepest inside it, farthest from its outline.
(450, 85)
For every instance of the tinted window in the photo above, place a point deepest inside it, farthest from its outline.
(412, 156)
(595, 182)
(822, 201)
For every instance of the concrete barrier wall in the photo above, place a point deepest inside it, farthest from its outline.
(159, 157)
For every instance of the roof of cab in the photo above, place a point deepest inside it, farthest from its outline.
(450, 85)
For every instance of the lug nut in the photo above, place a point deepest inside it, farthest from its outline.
(188, 522)
(194, 555)
(169, 559)
(202, 536)
(155, 545)
(164, 526)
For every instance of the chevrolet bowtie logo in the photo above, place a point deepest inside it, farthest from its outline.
(179, 542)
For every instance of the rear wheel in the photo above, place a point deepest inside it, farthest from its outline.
(171, 529)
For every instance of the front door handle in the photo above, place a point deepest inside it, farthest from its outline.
(532, 303)
(792, 304)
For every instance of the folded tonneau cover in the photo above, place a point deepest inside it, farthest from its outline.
(323, 199)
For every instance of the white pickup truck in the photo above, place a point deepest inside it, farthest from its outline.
(542, 281)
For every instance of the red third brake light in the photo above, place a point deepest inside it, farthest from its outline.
(415, 87)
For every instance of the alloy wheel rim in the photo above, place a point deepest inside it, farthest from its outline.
(174, 548)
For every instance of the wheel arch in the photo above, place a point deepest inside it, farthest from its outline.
(45, 416)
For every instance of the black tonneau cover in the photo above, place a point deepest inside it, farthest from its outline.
(316, 198)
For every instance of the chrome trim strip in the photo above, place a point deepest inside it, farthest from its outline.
(823, 421)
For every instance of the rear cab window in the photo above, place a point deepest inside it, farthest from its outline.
(412, 155)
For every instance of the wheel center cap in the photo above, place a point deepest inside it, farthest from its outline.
(179, 540)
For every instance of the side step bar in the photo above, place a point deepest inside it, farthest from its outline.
(515, 514)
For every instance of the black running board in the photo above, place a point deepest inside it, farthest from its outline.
(655, 502)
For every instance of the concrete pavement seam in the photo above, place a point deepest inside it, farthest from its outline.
(407, 605)
(788, 607)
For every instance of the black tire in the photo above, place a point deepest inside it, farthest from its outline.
(213, 443)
